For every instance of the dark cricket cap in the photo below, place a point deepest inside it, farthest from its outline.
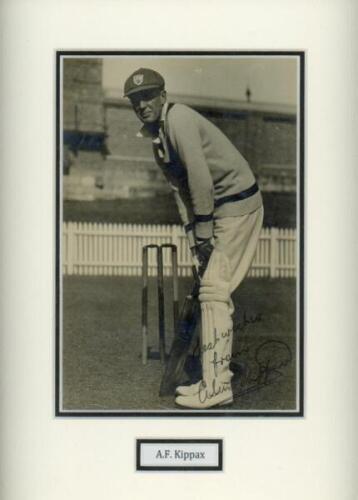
(143, 79)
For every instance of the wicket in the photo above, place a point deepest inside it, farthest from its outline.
(160, 290)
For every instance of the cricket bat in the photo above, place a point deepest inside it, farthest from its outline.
(183, 336)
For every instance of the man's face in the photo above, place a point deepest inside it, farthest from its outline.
(148, 104)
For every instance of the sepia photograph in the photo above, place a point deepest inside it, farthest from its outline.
(180, 233)
(178, 250)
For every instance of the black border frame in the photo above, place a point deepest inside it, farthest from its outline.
(218, 468)
(301, 198)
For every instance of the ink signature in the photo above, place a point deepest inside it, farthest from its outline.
(248, 320)
(270, 358)
(268, 361)
(215, 389)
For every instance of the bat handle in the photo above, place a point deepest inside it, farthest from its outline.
(196, 265)
(196, 274)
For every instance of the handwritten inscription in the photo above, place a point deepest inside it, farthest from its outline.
(268, 361)
(214, 389)
(270, 358)
(248, 320)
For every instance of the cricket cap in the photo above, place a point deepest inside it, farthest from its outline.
(143, 79)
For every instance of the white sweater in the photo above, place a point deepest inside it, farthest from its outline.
(209, 176)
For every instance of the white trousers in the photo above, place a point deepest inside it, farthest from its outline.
(237, 238)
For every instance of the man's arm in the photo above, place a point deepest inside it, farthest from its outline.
(184, 216)
(185, 137)
(200, 248)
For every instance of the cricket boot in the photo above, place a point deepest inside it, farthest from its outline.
(216, 339)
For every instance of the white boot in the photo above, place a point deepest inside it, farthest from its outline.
(216, 340)
(187, 390)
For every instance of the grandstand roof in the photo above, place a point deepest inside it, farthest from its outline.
(113, 98)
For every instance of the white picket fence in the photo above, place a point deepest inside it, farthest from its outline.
(116, 250)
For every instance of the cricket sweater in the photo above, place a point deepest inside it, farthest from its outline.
(208, 175)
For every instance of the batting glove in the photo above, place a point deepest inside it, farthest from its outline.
(203, 252)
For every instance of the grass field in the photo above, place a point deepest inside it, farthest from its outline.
(102, 368)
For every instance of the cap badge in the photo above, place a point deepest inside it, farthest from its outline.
(138, 79)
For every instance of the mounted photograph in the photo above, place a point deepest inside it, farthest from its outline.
(179, 234)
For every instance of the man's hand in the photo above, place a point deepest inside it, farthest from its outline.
(203, 251)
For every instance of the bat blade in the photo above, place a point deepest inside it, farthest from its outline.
(183, 337)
